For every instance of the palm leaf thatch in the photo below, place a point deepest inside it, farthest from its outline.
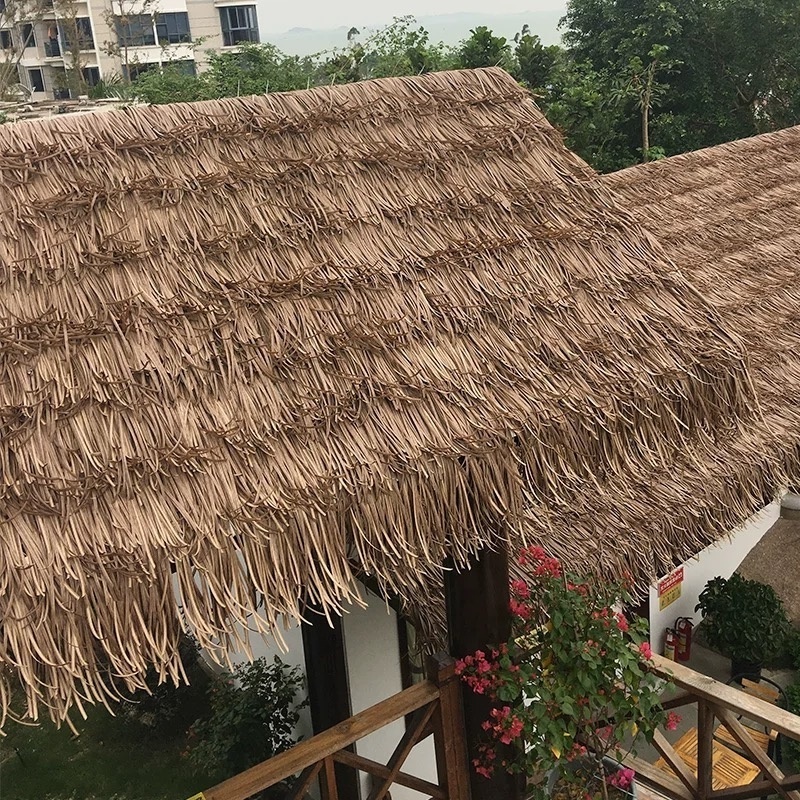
(729, 217)
(253, 346)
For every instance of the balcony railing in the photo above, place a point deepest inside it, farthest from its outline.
(435, 709)
(52, 48)
(707, 769)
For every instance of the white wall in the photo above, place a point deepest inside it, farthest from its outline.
(720, 559)
(373, 663)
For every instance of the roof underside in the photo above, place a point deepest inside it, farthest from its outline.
(250, 347)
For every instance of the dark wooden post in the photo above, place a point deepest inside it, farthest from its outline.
(478, 615)
(705, 741)
(452, 759)
(328, 688)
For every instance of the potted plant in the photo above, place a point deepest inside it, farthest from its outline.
(745, 621)
(571, 686)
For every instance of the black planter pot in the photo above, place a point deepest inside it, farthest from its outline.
(745, 669)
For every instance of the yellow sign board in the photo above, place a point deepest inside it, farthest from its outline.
(198, 796)
(669, 589)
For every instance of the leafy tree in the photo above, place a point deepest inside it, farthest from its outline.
(483, 49)
(401, 48)
(690, 74)
(170, 85)
(256, 69)
(535, 61)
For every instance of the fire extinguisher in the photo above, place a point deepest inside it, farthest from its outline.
(683, 634)
(669, 645)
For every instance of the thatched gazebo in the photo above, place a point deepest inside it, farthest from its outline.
(253, 348)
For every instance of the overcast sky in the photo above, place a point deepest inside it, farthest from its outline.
(327, 14)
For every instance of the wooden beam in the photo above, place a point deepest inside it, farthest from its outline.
(382, 771)
(682, 698)
(478, 616)
(727, 697)
(665, 784)
(760, 788)
(410, 738)
(319, 747)
(667, 751)
(755, 753)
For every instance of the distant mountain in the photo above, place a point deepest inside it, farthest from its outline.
(447, 28)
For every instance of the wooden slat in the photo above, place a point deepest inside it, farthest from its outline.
(330, 789)
(382, 771)
(650, 774)
(675, 762)
(319, 747)
(722, 734)
(764, 691)
(307, 777)
(760, 788)
(401, 752)
(727, 697)
(756, 753)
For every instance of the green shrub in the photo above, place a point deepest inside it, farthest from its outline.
(744, 620)
(166, 708)
(793, 648)
(791, 748)
(253, 717)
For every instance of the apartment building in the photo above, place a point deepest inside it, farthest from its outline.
(45, 40)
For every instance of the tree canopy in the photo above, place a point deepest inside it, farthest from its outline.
(634, 79)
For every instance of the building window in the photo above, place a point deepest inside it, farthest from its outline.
(133, 71)
(83, 32)
(91, 76)
(239, 24)
(36, 80)
(6, 42)
(183, 67)
(136, 30)
(173, 28)
(28, 36)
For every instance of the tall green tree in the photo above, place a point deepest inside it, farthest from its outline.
(483, 49)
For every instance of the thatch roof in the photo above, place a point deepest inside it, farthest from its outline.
(252, 346)
(729, 217)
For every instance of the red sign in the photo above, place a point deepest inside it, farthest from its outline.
(670, 582)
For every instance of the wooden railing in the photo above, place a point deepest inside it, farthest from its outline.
(435, 709)
(717, 704)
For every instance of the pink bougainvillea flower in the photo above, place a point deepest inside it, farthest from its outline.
(622, 623)
(672, 722)
(644, 649)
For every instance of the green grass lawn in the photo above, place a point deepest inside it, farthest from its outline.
(112, 758)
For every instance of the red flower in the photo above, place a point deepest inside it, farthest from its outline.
(644, 649)
(672, 721)
(622, 623)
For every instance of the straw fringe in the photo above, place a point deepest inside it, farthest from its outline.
(253, 348)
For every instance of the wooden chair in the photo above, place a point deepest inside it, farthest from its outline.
(729, 768)
(767, 739)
